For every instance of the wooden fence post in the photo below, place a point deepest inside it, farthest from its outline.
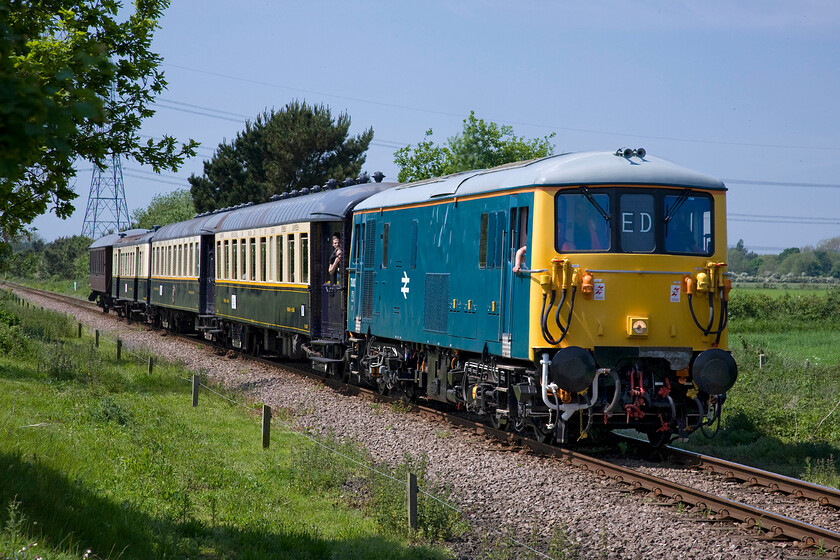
(195, 390)
(266, 426)
(151, 362)
(411, 498)
(119, 349)
(97, 338)
(80, 330)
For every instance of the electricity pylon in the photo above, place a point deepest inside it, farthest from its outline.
(107, 210)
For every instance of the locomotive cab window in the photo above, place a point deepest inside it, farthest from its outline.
(636, 223)
(688, 224)
(582, 221)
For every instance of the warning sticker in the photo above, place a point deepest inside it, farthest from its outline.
(675, 292)
(599, 291)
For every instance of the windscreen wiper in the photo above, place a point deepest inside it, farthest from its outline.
(593, 202)
(669, 213)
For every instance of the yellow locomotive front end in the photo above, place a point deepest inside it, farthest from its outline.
(628, 308)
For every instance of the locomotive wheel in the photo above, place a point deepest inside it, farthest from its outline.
(657, 438)
(382, 386)
(498, 424)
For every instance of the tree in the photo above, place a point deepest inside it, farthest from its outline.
(74, 83)
(22, 256)
(740, 260)
(61, 254)
(176, 206)
(298, 146)
(480, 145)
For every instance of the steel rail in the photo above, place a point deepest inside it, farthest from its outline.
(776, 525)
(824, 495)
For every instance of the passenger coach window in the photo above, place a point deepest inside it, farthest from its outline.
(304, 258)
(581, 223)
(636, 223)
(243, 259)
(279, 258)
(688, 224)
(226, 257)
(252, 243)
(234, 263)
(263, 258)
(291, 258)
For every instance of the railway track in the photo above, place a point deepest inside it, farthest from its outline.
(715, 507)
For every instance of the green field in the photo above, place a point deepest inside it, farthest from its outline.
(101, 456)
(784, 416)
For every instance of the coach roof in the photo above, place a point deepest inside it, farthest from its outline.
(201, 225)
(324, 206)
(582, 168)
(123, 238)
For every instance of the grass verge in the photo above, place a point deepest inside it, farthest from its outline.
(101, 459)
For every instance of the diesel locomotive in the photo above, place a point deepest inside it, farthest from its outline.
(560, 297)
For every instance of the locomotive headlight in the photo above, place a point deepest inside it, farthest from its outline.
(637, 327)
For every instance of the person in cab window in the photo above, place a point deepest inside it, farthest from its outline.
(335, 258)
(563, 244)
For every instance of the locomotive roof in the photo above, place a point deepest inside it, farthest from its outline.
(324, 206)
(123, 238)
(581, 168)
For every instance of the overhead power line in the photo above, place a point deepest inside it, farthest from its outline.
(814, 219)
(770, 221)
(782, 183)
(521, 123)
(157, 179)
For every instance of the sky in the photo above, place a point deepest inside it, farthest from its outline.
(747, 91)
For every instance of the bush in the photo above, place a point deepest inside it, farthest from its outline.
(744, 305)
(387, 503)
(108, 410)
(12, 340)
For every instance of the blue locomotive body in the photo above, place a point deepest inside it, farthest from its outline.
(440, 273)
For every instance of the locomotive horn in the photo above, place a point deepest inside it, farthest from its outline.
(641, 152)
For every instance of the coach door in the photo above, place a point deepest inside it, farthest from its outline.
(207, 283)
(333, 286)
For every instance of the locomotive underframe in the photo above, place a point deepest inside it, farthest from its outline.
(647, 390)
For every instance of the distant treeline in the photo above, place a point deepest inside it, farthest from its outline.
(29, 256)
(820, 261)
(67, 258)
